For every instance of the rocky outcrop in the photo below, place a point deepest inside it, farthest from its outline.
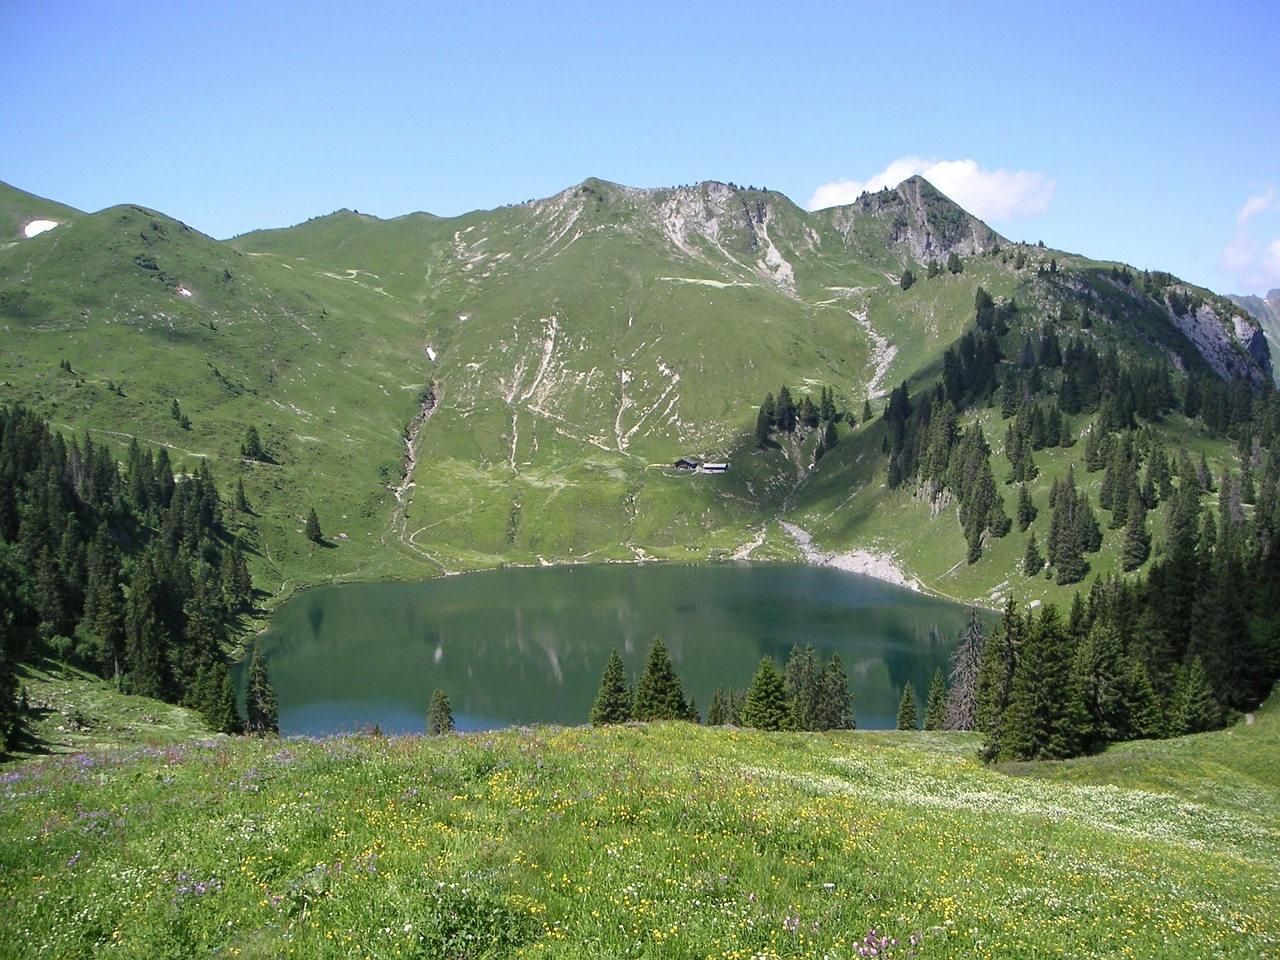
(1233, 344)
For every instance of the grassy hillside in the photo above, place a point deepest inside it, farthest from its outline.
(649, 841)
(567, 351)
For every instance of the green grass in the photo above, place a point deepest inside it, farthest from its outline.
(648, 841)
(578, 351)
(70, 711)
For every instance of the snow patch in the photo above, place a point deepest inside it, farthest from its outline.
(37, 227)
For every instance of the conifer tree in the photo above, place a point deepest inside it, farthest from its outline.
(1100, 678)
(1026, 509)
(802, 677)
(966, 666)
(1032, 561)
(659, 694)
(995, 679)
(439, 714)
(1194, 708)
(836, 707)
(764, 426)
(1137, 541)
(1043, 719)
(936, 706)
(261, 711)
(718, 711)
(311, 529)
(613, 700)
(768, 707)
(908, 718)
(215, 697)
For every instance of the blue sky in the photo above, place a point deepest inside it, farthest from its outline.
(1147, 132)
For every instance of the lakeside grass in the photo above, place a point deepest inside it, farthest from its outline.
(663, 840)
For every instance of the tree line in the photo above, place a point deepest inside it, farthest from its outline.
(130, 573)
(807, 695)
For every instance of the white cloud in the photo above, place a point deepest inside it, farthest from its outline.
(1256, 205)
(1254, 264)
(988, 194)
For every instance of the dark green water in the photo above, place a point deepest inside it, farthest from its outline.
(527, 646)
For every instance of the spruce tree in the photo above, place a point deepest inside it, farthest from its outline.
(802, 676)
(719, 709)
(311, 529)
(1032, 561)
(768, 707)
(659, 694)
(1137, 541)
(613, 700)
(936, 706)
(439, 714)
(966, 666)
(1100, 678)
(1194, 708)
(908, 718)
(261, 710)
(1000, 658)
(836, 707)
(1043, 719)
(1026, 509)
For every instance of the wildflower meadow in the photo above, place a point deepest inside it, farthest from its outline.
(655, 840)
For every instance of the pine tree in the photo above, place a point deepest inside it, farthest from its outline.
(966, 666)
(1026, 509)
(251, 448)
(1000, 657)
(659, 694)
(908, 719)
(866, 410)
(836, 707)
(1194, 708)
(1137, 541)
(613, 700)
(935, 708)
(312, 527)
(215, 698)
(1100, 677)
(261, 710)
(439, 714)
(1043, 719)
(768, 707)
(803, 676)
(1032, 561)
(764, 425)
(719, 709)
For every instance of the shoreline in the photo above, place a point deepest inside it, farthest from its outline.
(879, 566)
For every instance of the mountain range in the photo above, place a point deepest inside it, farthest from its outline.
(516, 385)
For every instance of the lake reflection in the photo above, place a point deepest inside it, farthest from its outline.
(524, 646)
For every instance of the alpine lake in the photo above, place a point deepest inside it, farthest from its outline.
(522, 646)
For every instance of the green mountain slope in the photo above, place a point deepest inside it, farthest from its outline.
(19, 209)
(549, 362)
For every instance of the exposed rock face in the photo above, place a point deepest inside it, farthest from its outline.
(1267, 312)
(1233, 346)
(920, 218)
